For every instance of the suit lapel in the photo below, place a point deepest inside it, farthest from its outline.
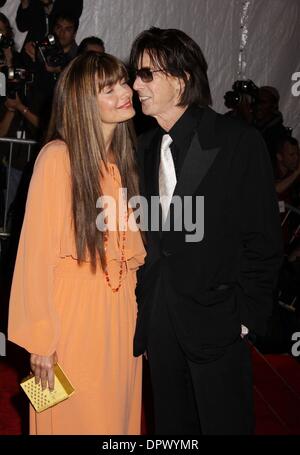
(151, 164)
(200, 156)
(195, 167)
(151, 169)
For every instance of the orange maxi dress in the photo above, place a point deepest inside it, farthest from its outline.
(58, 305)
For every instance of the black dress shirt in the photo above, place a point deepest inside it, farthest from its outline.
(182, 133)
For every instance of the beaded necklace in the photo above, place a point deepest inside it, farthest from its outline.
(122, 263)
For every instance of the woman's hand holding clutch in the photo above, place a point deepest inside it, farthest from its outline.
(42, 368)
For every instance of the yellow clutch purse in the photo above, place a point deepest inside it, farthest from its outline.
(44, 399)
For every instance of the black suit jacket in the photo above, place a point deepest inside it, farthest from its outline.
(227, 278)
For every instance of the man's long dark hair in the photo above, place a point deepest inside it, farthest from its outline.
(178, 55)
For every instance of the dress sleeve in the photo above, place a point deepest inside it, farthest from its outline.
(33, 320)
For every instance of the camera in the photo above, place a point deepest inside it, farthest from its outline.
(49, 51)
(241, 90)
(16, 81)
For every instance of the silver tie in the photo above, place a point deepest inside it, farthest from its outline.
(167, 175)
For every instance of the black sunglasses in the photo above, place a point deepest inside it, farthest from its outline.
(146, 74)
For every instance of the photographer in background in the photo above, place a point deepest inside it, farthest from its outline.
(37, 16)
(269, 119)
(241, 100)
(15, 109)
(19, 116)
(64, 45)
(48, 58)
(8, 55)
(287, 185)
(287, 172)
(91, 44)
(65, 29)
(16, 80)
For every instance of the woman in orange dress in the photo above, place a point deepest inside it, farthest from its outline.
(73, 293)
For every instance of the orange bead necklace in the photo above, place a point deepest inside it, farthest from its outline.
(122, 263)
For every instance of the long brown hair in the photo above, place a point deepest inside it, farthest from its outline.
(76, 120)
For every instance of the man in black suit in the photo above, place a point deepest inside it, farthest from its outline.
(208, 282)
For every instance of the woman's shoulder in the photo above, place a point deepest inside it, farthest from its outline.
(54, 153)
(56, 148)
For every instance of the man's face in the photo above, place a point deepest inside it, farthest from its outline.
(289, 156)
(265, 106)
(65, 32)
(160, 96)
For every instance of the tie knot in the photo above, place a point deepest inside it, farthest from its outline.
(166, 141)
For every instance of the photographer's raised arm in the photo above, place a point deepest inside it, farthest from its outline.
(24, 16)
(282, 185)
(8, 55)
(5, 121)
(29, 49)
(26, 112)
(12, 106)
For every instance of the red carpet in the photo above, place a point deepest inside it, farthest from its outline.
(277, 396)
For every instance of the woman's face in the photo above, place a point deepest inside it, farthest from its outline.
(116, 103)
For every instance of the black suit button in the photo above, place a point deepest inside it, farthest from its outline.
(166, 253)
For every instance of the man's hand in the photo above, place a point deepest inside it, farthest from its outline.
(42, 367)
(14, 103)
(30, 50)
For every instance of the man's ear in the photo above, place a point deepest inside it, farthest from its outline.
(187, 75)
(180, 85)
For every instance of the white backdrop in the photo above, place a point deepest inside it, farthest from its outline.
(256, 39)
